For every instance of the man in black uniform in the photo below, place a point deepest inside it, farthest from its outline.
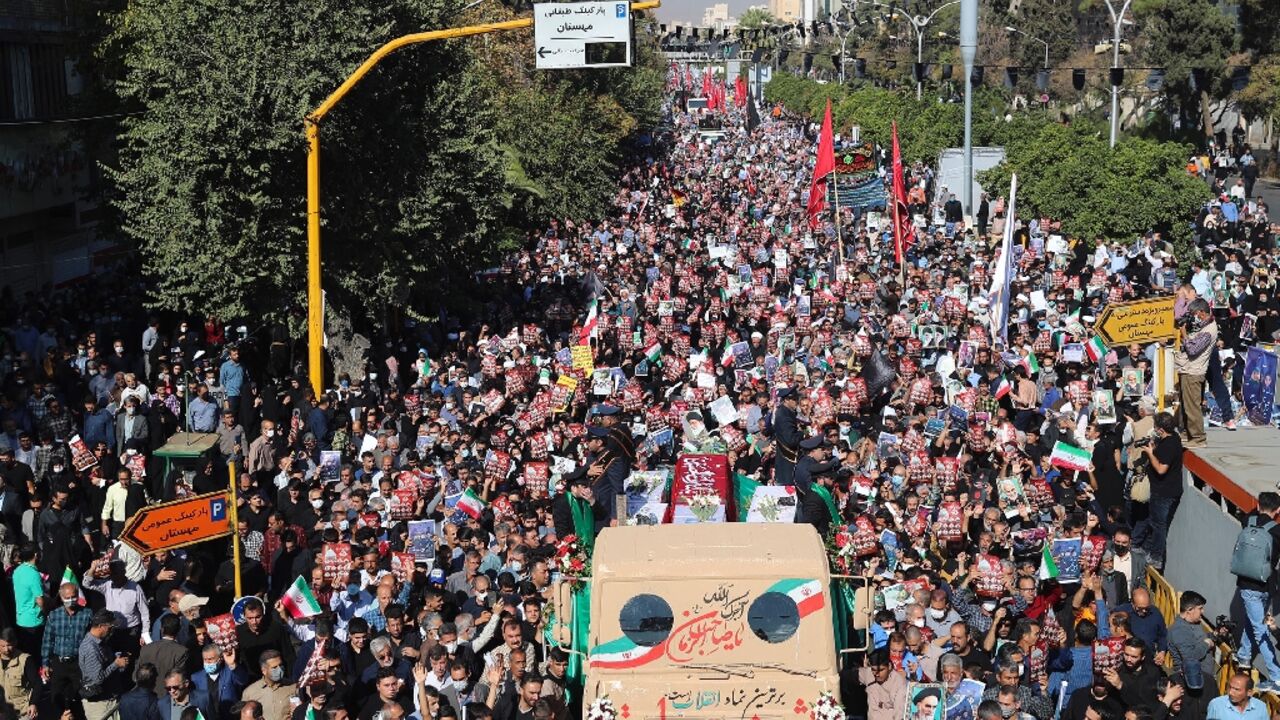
(819, 505)
(608, 472)
(786, 434)
(577, 490)
(620, 440)
(811, 464)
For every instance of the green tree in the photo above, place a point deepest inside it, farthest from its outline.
(424, 168)
(1069, 173)
(755, 17)
(1052, 21)
(210, 177)
(1185, 35)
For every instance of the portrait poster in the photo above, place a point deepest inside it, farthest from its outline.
(963, 702)
(925, 701)
(1131, 384)
(1259, 385)
(1066, 556)
(1104, 407)
(422, 539)
(330, 464)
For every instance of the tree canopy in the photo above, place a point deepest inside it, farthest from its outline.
(426, 167)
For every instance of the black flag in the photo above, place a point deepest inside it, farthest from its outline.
(753, 115)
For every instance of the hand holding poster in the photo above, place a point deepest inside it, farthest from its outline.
(222, 632)
(1066, 556)
(422, 540)
(336, 560)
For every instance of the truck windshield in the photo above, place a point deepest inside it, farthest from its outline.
(665, 624)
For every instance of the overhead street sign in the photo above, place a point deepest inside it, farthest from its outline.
(178, 523)
(1138, 321)
(582, 34)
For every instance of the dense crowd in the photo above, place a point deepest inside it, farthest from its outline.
(1006, 491)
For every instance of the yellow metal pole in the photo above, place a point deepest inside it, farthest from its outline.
(315, 305)
(235, 526)
(1160, 378)
(315, 298)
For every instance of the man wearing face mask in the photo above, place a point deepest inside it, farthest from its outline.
(65, 627)
(131, 426)
(220, 677)
(940, 616)
(271, 691)
(261, 460)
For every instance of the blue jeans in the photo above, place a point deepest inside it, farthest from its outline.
(1153, 530)
(1256, 603)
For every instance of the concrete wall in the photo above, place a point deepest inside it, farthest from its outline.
(1198, 556)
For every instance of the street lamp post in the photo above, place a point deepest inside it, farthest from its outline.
(968, 52)
(1117, 25)
(1012, 29)
(918, 24)
(843, 40)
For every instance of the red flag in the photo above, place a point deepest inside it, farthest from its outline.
(706, 82)
(688, 78)
(904, 234)
(825, 166)
(740, 92)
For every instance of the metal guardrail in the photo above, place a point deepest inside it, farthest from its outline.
(1166, 598)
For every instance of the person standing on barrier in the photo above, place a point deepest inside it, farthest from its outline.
(1197, 335)
(1253, 563)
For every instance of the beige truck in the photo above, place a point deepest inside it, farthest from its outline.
(713, 621)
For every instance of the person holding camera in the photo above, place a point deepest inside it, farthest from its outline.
(1164, 469)
(1197, 334)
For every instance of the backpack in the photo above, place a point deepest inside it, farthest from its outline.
(1252, 557)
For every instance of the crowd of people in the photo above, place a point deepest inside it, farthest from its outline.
(883, 394)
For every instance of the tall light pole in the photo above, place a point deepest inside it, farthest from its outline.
(843, 40)
(918, 24)
(1117, 25)
(968, 51)
(1013, 29)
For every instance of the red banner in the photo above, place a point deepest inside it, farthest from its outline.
(702, 475)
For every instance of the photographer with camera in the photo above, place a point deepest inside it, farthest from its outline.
(1164, 470)
(1197, 334)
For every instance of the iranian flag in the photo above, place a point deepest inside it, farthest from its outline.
(726, 357)
(653, 353)
(471, 504)
(299, 600)
(1001, 387)
(1095, 348)
(622, 654)
(591, 323)
(1069, 457)
(70, 577)
(1048, 568)
(807, 594)
(1031, 364)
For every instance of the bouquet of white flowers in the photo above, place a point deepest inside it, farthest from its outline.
(602, 709)
(826, 708)
(704, 506)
